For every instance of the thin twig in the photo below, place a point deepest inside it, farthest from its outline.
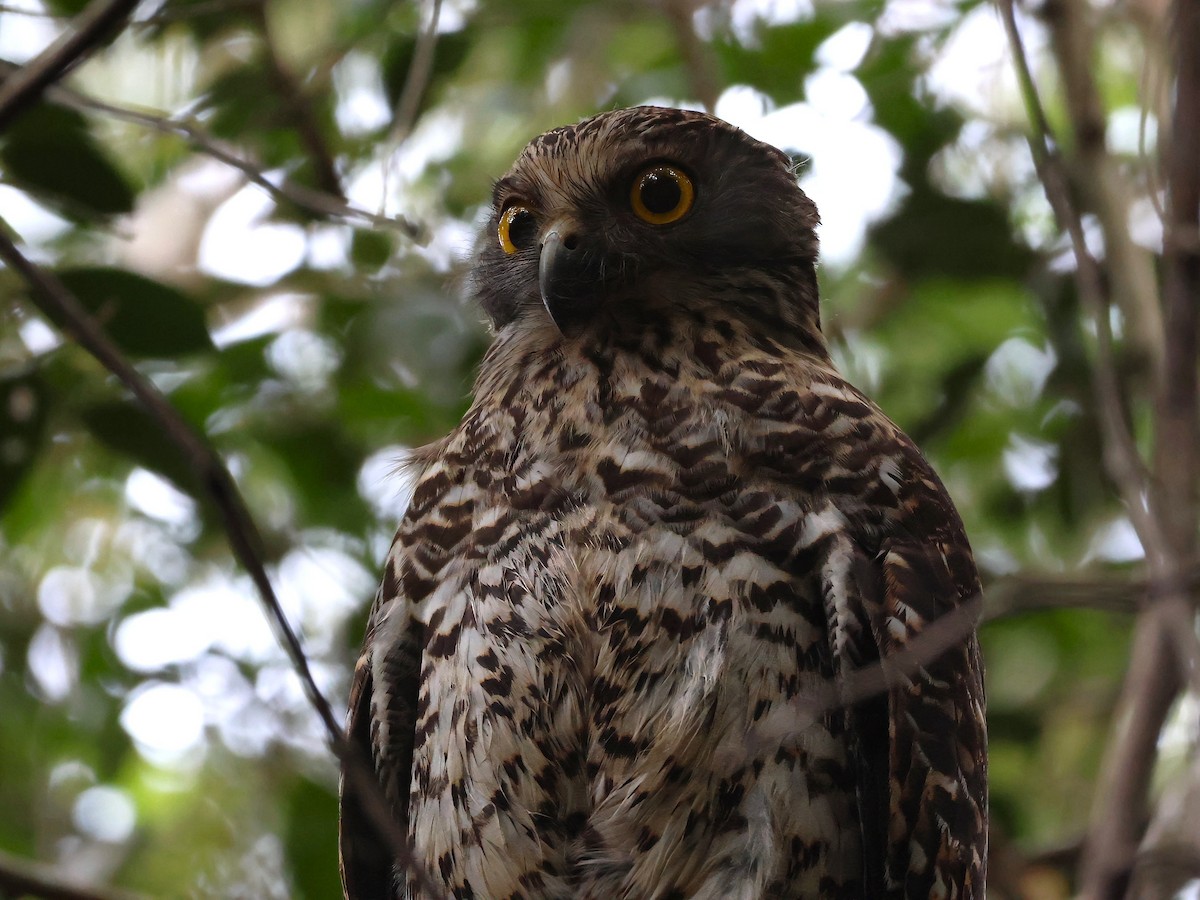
(298, 110)
(416, 80)
(697, 57)
(1119, 811)
(1154, 678)
(1161, 645)
(1121, 456)
(1147, 90)
(1019, 595)
(52, 296)
(1104, 188)
(300, 196)
(26, 878)
(786, 723)
(22, 87)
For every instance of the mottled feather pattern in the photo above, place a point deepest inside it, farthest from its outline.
(644, 537)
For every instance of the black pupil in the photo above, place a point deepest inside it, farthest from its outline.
(522, 229)
(660, 192)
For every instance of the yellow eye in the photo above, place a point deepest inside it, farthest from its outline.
(517, 229)
(661, 194)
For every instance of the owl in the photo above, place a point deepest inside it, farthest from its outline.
(666, 523)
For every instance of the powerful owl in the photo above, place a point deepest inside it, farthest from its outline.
(621, 640)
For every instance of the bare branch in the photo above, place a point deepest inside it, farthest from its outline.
(1129, 267)
(1163, 511)
(1023, 594)
(53, 298)
(1118, 814)
(24, 878)
(20, 89)
(87, 30)
(310, 199)
(298, 110)
(785, 723)
(697, 57)
(1177, 414)
(416, 80)
(1121, 455)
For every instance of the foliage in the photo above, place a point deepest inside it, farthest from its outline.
(152, 734)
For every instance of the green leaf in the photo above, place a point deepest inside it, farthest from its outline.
(146, 318)
(22, 421)
(129, 430)
(49, 152)
(935, 236)
(779, 56)
(450, 53)
(323, 463)
(66, 7)
(311, 840)
(370, 249)
(890, 74)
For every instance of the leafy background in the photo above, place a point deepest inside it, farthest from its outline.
(153, 736)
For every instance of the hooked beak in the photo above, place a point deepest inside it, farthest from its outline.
(567, 277)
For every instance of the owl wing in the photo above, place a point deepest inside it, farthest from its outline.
(919, 744)
(382, 724)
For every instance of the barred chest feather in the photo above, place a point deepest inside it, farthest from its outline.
(623, 558)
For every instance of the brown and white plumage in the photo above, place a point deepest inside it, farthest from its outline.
(663, 521)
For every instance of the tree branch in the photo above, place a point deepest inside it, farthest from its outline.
(24, 878)
(52, 296)
(1129, 268)
(1159, 649)
(1177, 420)
(298, 109)
(786, 723)
(1121, 456)
(87, 30)
(1119, 810)
(416, 80)
(1022, 594)
(697, 57)
(300, 196)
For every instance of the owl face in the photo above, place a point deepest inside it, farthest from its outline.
(634, 209)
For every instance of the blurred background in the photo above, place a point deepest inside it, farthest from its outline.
(271, 205)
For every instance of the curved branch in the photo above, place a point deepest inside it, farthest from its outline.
(1130, 268)
(53, 298)
(697, 56)
(314, 201)
(297, 108)
(1121, 456)
(416, 80)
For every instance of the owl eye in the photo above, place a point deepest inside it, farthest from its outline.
(661, 194)
(517, 229)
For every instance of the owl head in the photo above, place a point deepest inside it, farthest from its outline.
(640, 210)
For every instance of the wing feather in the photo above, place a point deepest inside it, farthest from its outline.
(920, 748)
(383, 715)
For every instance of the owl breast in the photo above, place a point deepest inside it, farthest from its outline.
(633, 604)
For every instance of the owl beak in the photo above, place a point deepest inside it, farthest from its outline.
(563, 277)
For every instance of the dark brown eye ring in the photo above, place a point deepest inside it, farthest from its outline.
(517, 229)
(661, 194)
